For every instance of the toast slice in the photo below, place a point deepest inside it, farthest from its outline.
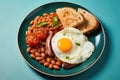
(90, 24)
(69, 17)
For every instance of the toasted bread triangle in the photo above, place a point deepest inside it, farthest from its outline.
(69, 17)
(90, 24)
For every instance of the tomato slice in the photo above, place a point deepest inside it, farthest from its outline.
(38, 35)
(32, 40)
(41, 33)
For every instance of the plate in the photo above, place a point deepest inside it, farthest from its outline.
(97, 38)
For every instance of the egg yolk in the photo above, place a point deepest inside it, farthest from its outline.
(64, 44)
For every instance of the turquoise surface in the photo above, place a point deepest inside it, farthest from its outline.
(97, 38)
(13, 66)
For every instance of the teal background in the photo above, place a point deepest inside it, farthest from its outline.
(13, 66)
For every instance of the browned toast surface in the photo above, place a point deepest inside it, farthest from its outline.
(81, 19)
(90, 24)
(69, 17)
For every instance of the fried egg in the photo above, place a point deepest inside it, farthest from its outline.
(71, 46)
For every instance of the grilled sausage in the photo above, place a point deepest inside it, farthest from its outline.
(67, 65)
(48, 44)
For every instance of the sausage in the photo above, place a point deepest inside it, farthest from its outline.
(48, 44)
(67, 65)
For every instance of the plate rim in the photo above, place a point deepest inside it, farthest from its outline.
(67, 75)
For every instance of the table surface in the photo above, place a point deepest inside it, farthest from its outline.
(12, 65)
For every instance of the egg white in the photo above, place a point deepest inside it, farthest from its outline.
(81, 47)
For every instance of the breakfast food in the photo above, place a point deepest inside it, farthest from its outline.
(48, 44)
(57, 39)
(67, 65)
(38, 39)
(82, 19)
(69, 17)
(90, 22)
(71, 46)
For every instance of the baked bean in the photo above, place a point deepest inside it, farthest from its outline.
(43, 20)
(37, 54)
(51, 24)
(32, 22)
(46, 64)
(29, 28)
(48, 59)
(48, 17)
(58, 63)
(28, 49)
(52, 29)
(48, 24)
(32, 55)
(28, 32)
(42, 58)
(56, 67)
(39, 21)
(52, 13)
(50, 66)
(46, 52)
(50, 20)
(59, 60)
(43, 55)
(34, 25)
(42, 61)
(46, 20)
(37, 58)
(53, 61)
(37, 18)
(51, 16)
(35, 22)
(45, 14)
(32, 51)
(41, 17)
(42, 49)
